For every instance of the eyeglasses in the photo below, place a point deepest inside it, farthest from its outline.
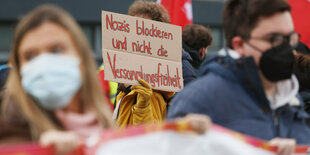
(278, 39)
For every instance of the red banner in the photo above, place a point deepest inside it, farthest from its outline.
(180, 11)
(145, 137)
(300, 14)
(26, 149)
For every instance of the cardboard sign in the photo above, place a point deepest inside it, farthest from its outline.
(134, 48)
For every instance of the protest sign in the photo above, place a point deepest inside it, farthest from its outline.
(134, 48)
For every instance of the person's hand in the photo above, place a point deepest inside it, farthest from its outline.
(198, 122)
(285, 146)
(144, 93)
(64, 142)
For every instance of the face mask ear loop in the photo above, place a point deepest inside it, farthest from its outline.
(254, 47)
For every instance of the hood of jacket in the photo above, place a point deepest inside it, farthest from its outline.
(186, 56)
(193, 54)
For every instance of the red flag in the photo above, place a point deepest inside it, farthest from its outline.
(300, 14)
(180, 11)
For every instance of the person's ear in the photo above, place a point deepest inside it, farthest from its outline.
(202, 53)
(238, 45)
(206, 50)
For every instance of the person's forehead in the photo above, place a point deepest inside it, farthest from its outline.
(43, 34)
(280, 23)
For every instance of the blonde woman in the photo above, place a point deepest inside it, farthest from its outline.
(53, 90)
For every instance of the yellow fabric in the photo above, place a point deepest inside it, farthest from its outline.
(101, 67)
(113, 91)
(150, 105)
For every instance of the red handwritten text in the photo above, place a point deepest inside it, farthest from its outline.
(116, 25)
(153, 32)
(118, 44)
(156, 79)
(143, 47)
(162, 52)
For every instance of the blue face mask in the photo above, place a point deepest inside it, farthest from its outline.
(52, 79)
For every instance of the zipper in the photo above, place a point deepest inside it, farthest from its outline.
(276, 122)
(275, 117)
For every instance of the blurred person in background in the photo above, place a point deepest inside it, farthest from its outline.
(196, 40)
(250, 87)
(53, 95)
(141, 104)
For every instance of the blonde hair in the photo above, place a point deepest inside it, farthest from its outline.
(90, 94)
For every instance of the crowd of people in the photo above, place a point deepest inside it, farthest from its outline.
(257, 85)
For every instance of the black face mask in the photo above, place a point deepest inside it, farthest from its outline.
(277, 63)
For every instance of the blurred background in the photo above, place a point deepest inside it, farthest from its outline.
(88, 14)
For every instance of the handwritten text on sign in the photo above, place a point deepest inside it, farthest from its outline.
(136, 48)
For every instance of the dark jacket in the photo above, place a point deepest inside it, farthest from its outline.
(195, 62)
(189, 73)
(230, 92)
(305, 96)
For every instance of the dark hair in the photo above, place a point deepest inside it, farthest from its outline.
(152, 9)
(301, 70)
(241, 16)
(197, 36)
(302, 48)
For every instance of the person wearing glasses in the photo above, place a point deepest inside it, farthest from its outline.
(250, 86)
